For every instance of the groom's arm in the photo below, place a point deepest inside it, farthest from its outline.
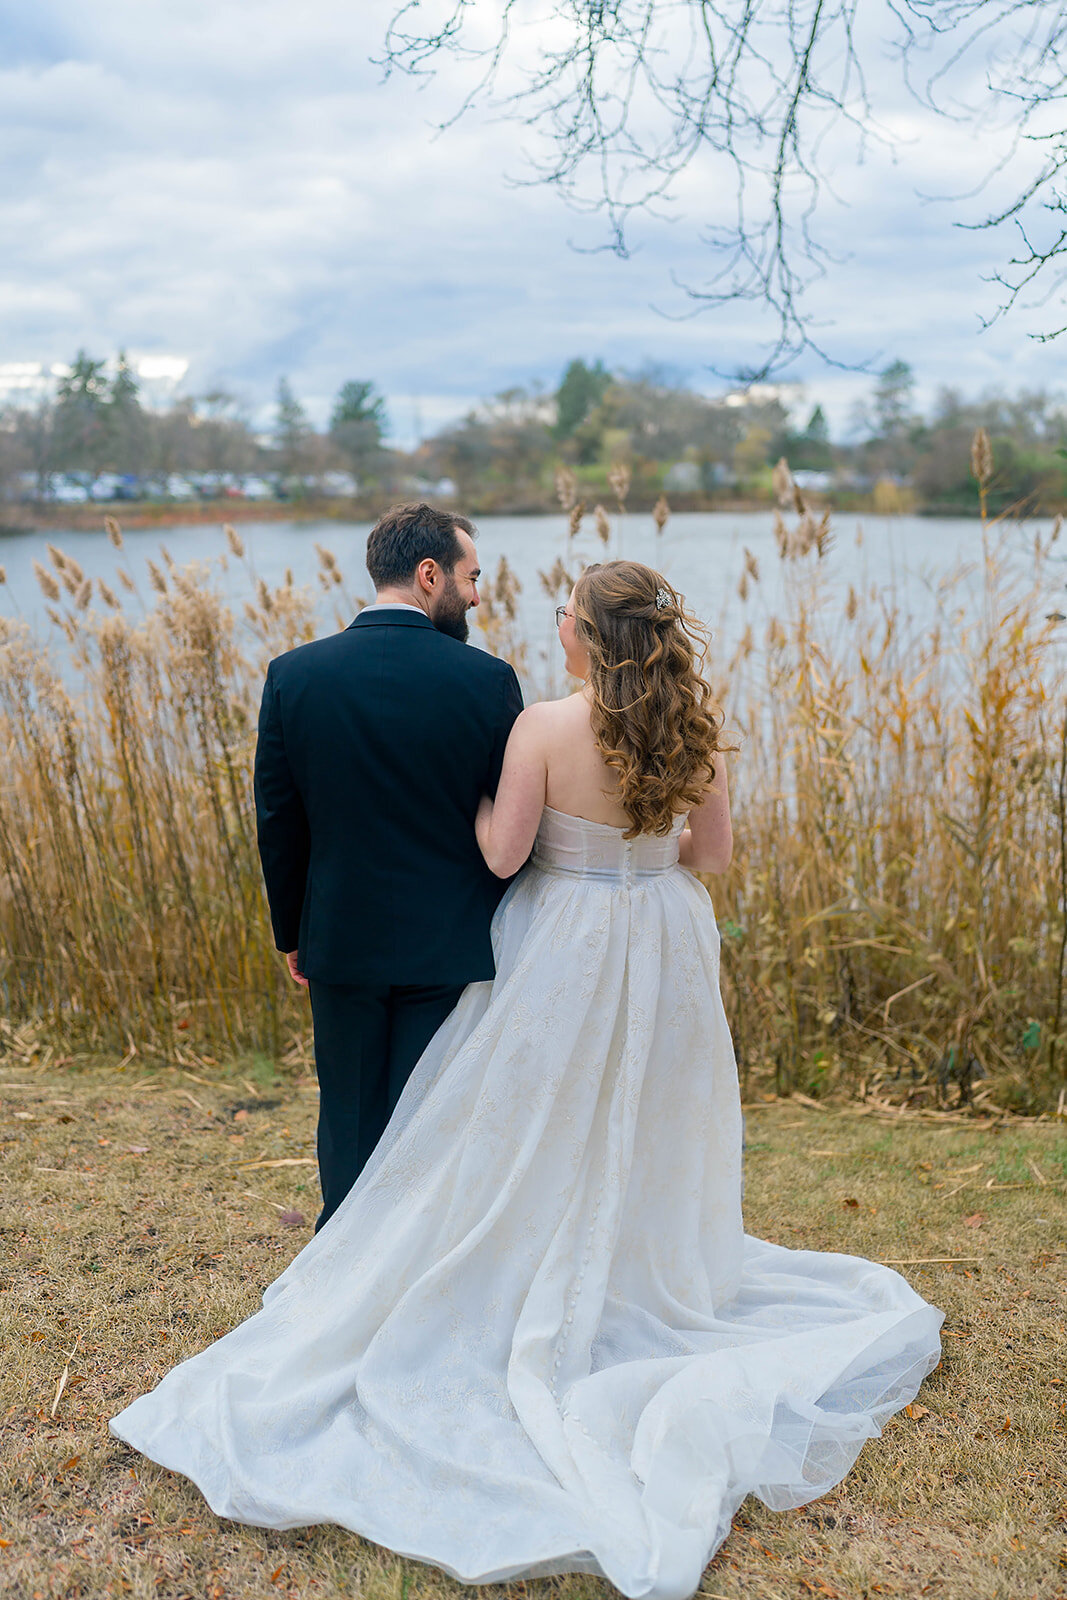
(282, 831)
(510, 706)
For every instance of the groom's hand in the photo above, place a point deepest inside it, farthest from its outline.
(294, 971)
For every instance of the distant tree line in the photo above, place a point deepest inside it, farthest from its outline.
(671, 437)
(98, 425)
(506, 454)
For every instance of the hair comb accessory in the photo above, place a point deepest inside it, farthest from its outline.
(663, 599)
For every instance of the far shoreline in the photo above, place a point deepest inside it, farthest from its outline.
(137, 516)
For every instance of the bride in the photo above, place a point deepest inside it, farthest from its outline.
(534, 1338)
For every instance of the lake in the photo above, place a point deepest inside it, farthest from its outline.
(907, 559)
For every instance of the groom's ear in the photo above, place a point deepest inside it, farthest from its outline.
(426, 575)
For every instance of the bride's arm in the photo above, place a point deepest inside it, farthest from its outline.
(707, 844)
(507, 826)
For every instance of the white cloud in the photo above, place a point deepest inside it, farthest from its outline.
(232, 181)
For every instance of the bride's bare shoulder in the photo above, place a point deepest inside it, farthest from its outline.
(567, 708)
(547, 721)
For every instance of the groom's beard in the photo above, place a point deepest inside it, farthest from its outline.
(451, 614)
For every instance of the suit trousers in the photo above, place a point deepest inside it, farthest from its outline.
(367, 1040)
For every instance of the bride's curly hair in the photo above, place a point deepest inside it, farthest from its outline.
(652, 716)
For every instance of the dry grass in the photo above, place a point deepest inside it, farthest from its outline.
(135, 1229)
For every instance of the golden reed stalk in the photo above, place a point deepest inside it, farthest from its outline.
(131, 908)
(893, 925)
(894, 921)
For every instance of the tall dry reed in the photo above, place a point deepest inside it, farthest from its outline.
(893, 924)
(894, 921)
(131, 909)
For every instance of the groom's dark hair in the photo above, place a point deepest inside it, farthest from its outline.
(408, 534)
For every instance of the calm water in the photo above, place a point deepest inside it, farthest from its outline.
(908, 560)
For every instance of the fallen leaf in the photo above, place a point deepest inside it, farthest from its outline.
(975, 1219)
(276, 1574)
(240, 1116)
(292, 1219)
(1007, 1425)
(68, 1466)
(137, 1149)
(916, 1411)
(853, 1205)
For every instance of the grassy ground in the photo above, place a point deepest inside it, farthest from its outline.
(143, 1214)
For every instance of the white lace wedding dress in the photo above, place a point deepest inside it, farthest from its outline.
(535, 1339)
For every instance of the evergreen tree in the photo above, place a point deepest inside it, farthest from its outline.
(124, 391)
(127, 424)
(893, 412)
(357, 402)
(818, 429)
(292, 432)
(81, 432)
(356, 427)
(84, 383)
(580, 392)
(810, 451)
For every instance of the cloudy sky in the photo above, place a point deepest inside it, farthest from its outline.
(232, 181)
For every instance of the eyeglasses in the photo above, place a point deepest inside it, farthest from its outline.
(561, 612)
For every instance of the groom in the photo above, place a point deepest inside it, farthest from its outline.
(375, 747)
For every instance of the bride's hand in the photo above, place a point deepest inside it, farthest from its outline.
(292, 960)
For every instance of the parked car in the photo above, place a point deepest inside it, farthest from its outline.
(115, 486)
(257, 488)
(339, 483)
(67, 492)
(178, 488)
(817, 482)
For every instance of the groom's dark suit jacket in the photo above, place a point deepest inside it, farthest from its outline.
(375, 746)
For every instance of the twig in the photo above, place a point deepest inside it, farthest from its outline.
(923, 1261)
(249, 1195)
(285, 1161)
(62, 1384)
(927, 978)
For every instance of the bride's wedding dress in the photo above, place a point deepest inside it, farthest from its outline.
(535, 1338)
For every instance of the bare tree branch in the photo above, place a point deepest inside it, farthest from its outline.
(624, 96)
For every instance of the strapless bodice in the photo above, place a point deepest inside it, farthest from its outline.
(584, 849)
